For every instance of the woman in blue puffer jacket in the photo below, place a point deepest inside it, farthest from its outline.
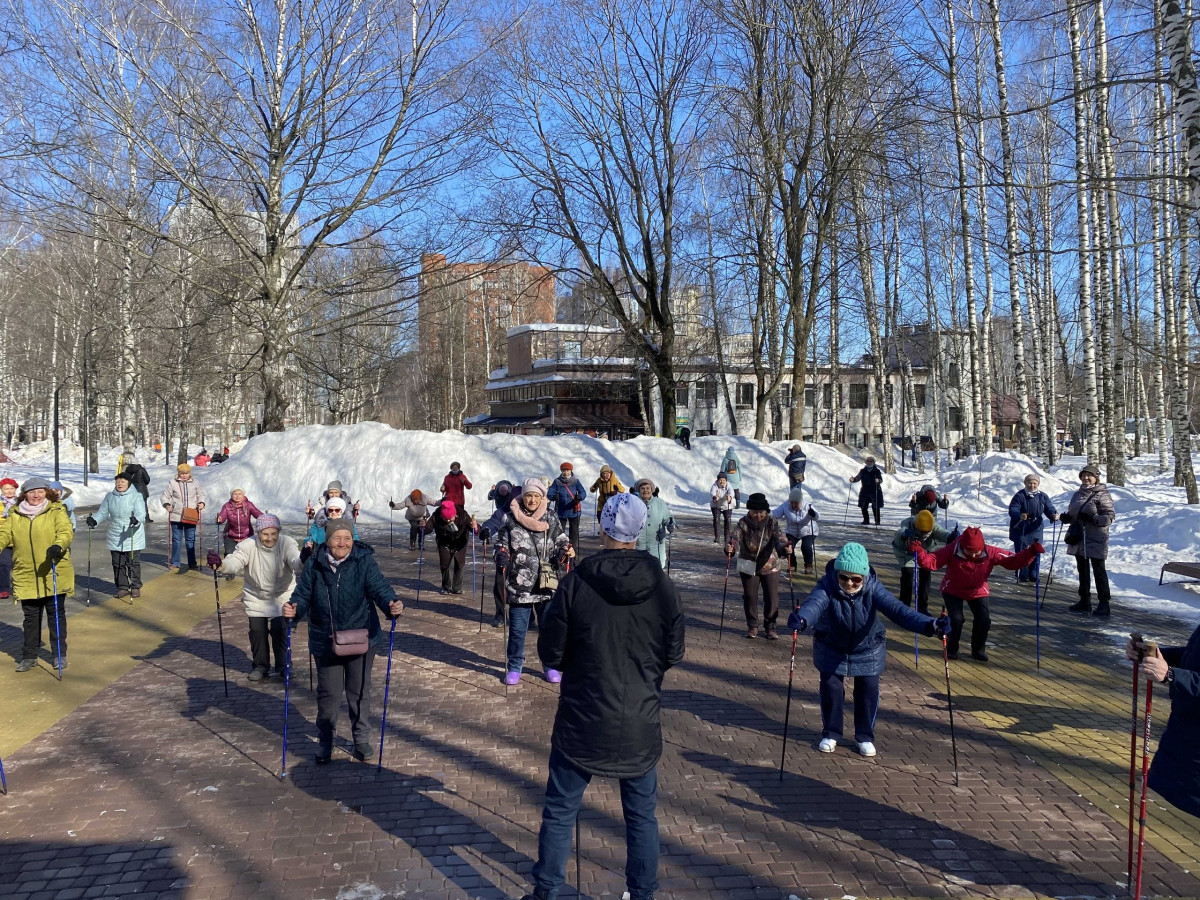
(125, 511)
(849, 639)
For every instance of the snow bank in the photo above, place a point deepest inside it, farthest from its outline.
(280, 472)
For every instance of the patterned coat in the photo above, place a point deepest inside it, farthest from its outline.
(526, 549)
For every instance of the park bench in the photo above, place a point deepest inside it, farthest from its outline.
(1187, 569)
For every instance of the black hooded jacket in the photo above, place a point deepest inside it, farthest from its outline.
(613, 628)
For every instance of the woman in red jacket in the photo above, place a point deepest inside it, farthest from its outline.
(968, 563)
(455, 485)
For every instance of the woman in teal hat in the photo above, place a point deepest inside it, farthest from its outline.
(850, 639)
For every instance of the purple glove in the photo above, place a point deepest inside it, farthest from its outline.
(214, 560)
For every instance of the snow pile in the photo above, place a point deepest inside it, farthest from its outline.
(375, 463)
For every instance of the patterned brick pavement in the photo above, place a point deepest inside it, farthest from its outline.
(160, 786)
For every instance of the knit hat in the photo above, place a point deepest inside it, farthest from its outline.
(853, 558)
(931, 496)
(503, 488)
(607, 469)
(336, 503)
(637, 485)
(454, 467)
(4, 481)
(623, 517)
(533, 485)
(333, 486)
(35, 482)
(333, 526)
(449, 510)
(795, 495)
(1089, 469)
(721, 475)
(122, 475)
(972, 540)
(924, 521)
(567, 466)
(183, 469)
(758, 501)
(265, 521)
(870, 460)
(415, 495)
(241, 491)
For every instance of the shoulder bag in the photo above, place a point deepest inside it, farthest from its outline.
(351, 642)
(547, 576)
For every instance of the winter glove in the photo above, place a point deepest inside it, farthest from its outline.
(671, 526)
(91, 522)
(954, 535)
(484, 534)
(1065, 518)
(914, 546)
(813, 513)
(796, 623)
(939, 627)
(1037, 547)
(54, 553)
(944, 502)
(661, 534)
(392, 504)
(784, 549)
(214, 559)
(562, 560)
(502, 558)
(134, 524)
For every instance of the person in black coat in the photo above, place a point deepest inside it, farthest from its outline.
(1175, 770)
(452, 528)
(797, 462)
(613, 628)
(870, 492)
(338, 591)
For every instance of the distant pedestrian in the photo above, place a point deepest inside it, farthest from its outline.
(1026, 512)
(332, 491)
(39, 533)
(505, 494)
(797, 462)
(927, 498)
(800, 527)
(8, 499)
(850, 640)
(660, 524)
(758, 543)
(335, 510)
(731, 468)
(870, 492)
(604, 487)
(452, 528)
(1088, 516)
(184, 502)
(721, 501)
(1175, 770)
(567, 493)
(125, 511)
(613, 628)
(236, 515)
(68, 502)
(923, 528)
(416, 508)
(455, 485)
(685, 437)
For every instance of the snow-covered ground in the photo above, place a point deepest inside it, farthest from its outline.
(280, 472)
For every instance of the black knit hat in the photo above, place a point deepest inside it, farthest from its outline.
(758, 501)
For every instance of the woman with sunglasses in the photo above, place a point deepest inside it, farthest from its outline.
(850, 639)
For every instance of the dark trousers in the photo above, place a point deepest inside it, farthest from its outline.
(350, 675)
(571, 527)
(180, 535)
(1031, 571)
(721, 514)
(414, 535)
(564, 796)
(267, 635)
(33, 610)
(452, 563)
(1085, 579)
(518, 626)
(498, 591)
(866, 705)
(127, 569)
(145, 492)
(906, 588)
(6, 563)
(229, 544)
(864, 505)
(808, 549)
(770, 593)
(982, 621)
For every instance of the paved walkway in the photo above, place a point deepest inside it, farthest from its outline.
(156, 784)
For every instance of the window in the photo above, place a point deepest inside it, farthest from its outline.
(681, 396)
(810, 397)
(858, 395)
(952, 375)
(785, 395)
(919, 396)
(827, 395)
(889, 395)
(706, 391)
(572, 349)
(954, 418)
(745, 395)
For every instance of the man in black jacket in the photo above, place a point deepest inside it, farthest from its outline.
(613, 628)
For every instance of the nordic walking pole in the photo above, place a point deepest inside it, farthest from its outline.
(387, 683)
(846, 511)
(724, 592)
(502, 575)
(1037, 617)
(1133, 729)
(420, 562)
(287, 685)
(787, 709)
(950, 705)
(88, 601)
(474, 569)
(220, 629)
(310, 681)
(578, 890)
(3, 780)
(57, 620)
(1053, 551)
(916, 593)
(482, 587)
(391, 520)
(1137, 889)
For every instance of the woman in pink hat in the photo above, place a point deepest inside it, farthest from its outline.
(452, 528)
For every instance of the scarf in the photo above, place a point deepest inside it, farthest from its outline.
(333, 562)
(30, 510)
(530, 521)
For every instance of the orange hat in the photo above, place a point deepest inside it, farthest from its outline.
(566, 466)
(415, 496)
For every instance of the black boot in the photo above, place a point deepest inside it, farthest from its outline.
(1083, 606)
(1102, 609)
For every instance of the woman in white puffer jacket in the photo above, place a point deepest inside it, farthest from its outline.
(269, 562)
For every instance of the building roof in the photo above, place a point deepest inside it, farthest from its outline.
(560, 326)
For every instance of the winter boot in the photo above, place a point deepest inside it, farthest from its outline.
(1083, 606)
(363, 751)
(26, 665)
(1102, 609)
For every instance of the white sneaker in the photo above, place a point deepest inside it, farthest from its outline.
(827, 745)
(866, 748)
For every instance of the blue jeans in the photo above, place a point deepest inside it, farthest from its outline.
(518, 626)
(564, 795)
(1030, 572)
(180, 534)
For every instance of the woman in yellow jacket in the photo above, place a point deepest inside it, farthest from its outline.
(607, 485)
(38, 530)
